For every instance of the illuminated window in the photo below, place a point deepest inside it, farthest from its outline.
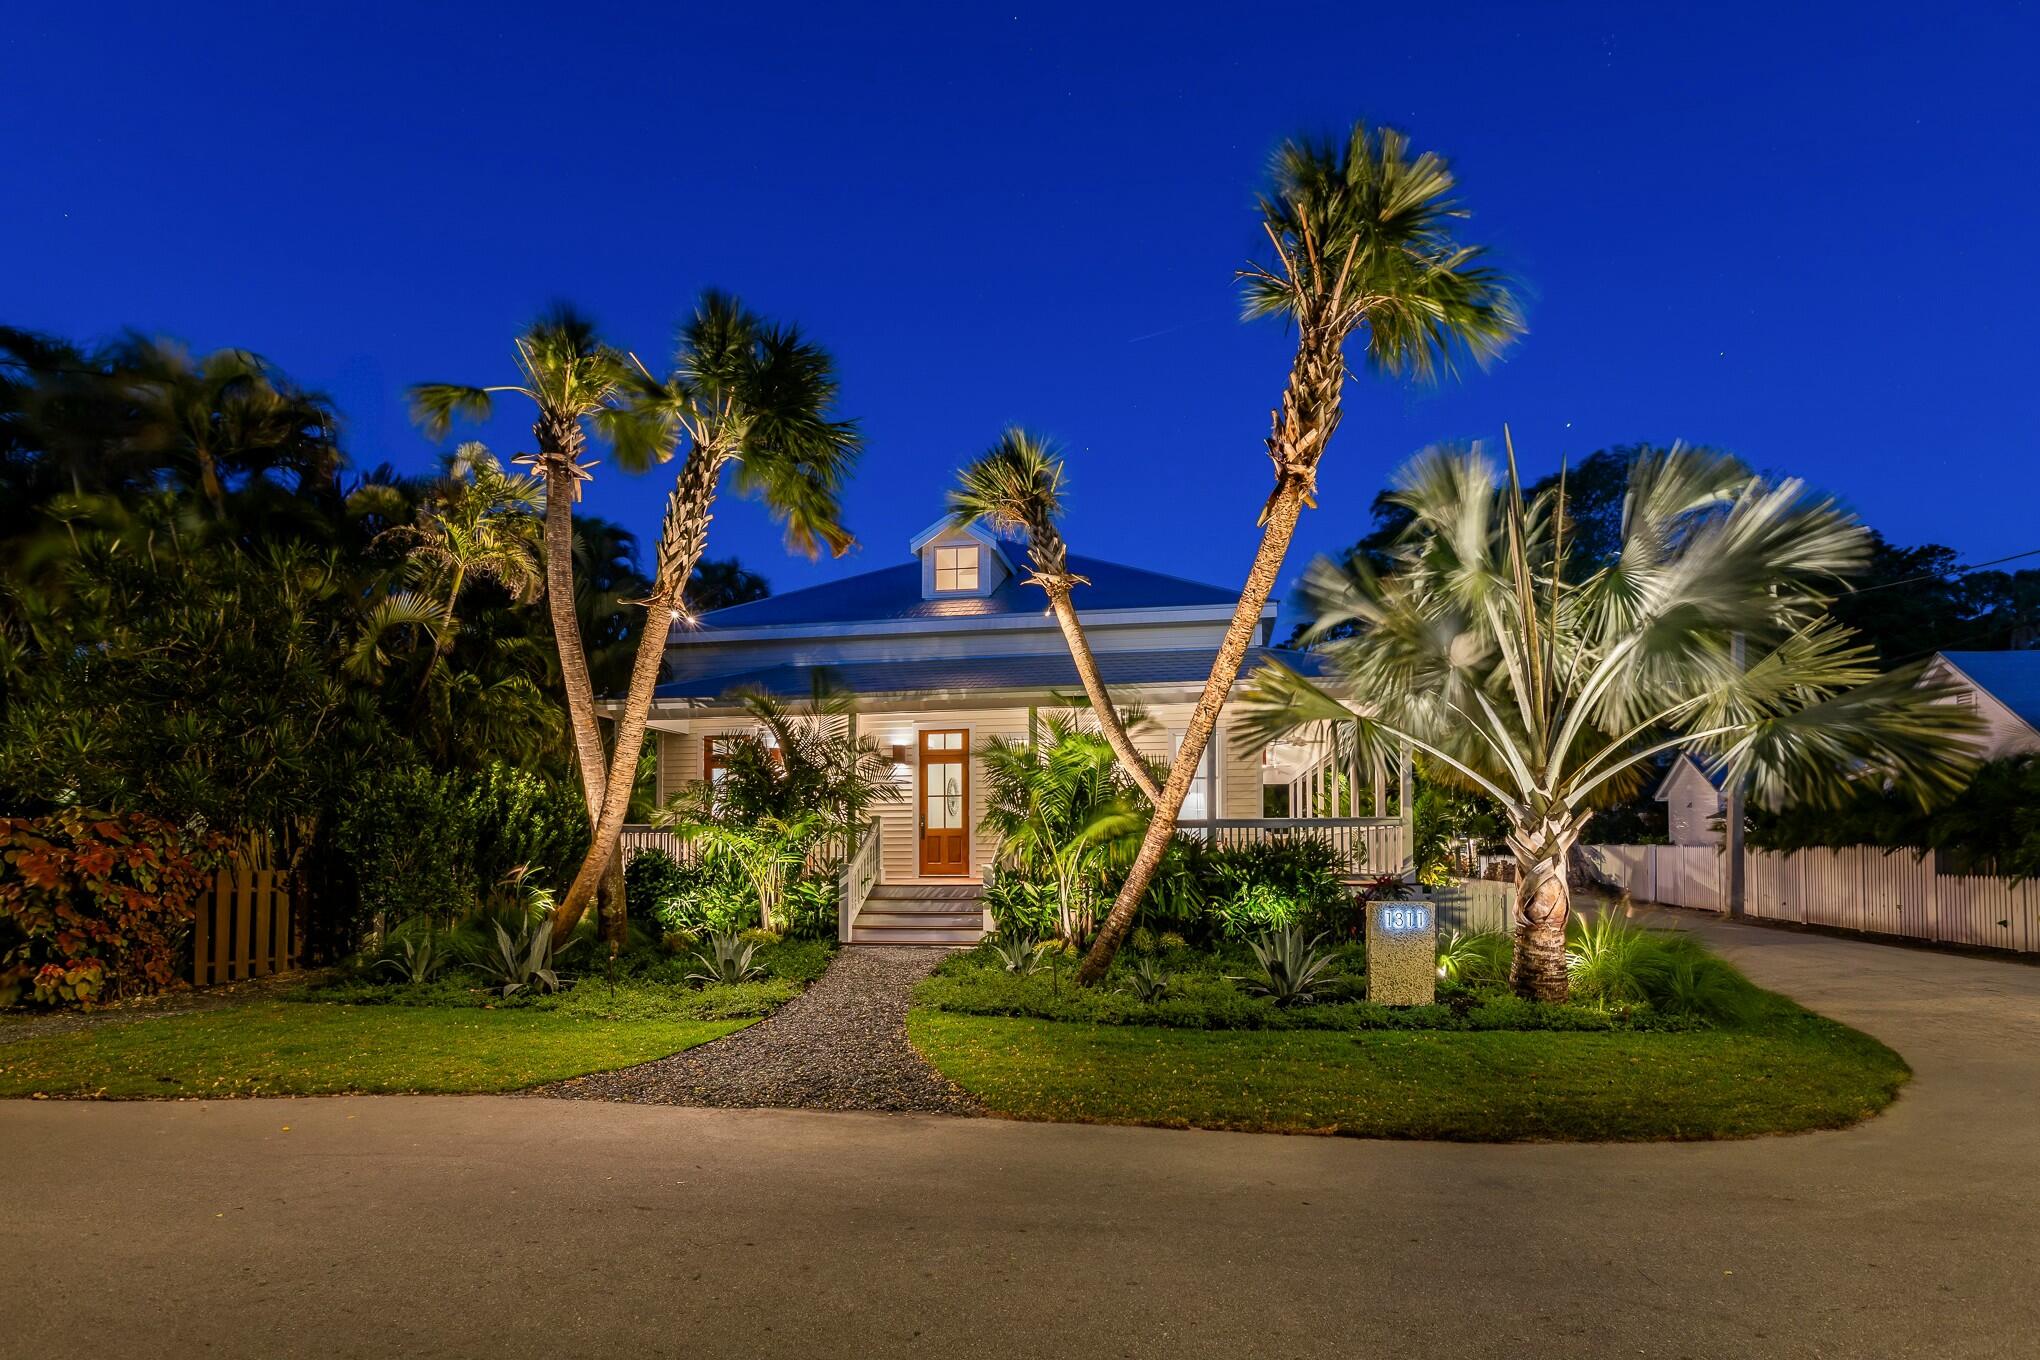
(1198, 804)
(715, 757)
(956, 569)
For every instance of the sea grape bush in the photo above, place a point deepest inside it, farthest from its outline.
(96, 905)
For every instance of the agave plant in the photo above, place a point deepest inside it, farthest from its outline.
(1018, 954)
(727, 961)
(1147, 983)
(1293, 968)
(523, 961)
(421, 956)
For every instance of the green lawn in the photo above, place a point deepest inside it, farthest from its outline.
(1789, 1072)
(293, 1048)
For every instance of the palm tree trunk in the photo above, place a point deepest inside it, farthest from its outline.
(1282, 513)
(566, 625)
(681, 543)
(1101, 700)
(1543, 904)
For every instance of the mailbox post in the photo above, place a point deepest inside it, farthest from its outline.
(1402, 953)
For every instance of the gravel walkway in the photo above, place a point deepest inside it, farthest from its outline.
(841, 1045)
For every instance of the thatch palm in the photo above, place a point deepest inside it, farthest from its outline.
(1547, 687)
(477, 525)
(575, 381)
(745, 393)
(1363, 246)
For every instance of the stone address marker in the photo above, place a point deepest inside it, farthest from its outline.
(1402, 953)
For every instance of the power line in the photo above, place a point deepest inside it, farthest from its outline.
(1952, 571)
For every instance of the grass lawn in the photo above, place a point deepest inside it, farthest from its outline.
(290, 1048)
(1788, 1071)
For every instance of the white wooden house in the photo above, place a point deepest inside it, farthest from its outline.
(951, 648)
(1693, 801)
(2003, 688)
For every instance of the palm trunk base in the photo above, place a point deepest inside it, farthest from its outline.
(1543, 905)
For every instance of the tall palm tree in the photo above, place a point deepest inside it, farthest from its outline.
(748, 395)
(574, 381)
(1547, 687)
(1016, 487)
(1362, 234)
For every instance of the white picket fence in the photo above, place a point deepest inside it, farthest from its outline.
(1861, 888)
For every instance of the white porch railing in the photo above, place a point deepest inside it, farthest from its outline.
(860, 875)
(637, 837)
(1364, 845)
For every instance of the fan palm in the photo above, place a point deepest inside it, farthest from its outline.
(1547, 688)
(743, 393)
(574, 381)
(1363, 245)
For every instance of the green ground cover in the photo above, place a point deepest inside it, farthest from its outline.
(356, 1035)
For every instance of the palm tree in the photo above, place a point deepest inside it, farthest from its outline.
(476, 525)
(745, 393)
(1059, 804)
(1547, 688)
(1363, 245)
(1016, 487)
(575, 381)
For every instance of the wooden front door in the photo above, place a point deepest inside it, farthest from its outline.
(945, 804)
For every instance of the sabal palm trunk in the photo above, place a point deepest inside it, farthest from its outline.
(681, 543)
(1543, 905)
(1065, 612)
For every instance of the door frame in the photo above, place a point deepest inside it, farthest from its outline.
(921, 735)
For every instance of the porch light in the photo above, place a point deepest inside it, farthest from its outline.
(899, 753)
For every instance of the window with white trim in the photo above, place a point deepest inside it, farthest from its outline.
(956, 569)
(1199, 802)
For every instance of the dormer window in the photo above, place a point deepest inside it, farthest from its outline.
(956, 569)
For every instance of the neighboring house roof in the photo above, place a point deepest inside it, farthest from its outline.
(1038, 671)
(1717, 776)
(895, 593)
(2012, 678)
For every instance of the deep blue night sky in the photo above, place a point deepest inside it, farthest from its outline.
(1801, 233)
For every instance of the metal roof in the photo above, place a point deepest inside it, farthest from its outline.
(2012, 678)
(895, 593)
(1041, 671)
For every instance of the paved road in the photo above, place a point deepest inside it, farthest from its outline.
(512, 1227)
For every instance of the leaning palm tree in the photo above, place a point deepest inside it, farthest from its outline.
(1363, 246)
(748, 395)
(1545, 686)
(1016, 487)
(574, 381)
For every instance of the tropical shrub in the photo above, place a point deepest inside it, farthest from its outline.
(1475, 959)
(96, 905)
(809, 909)
(1256, 909)
(514, 821)
(1021, 907)
(654, 882)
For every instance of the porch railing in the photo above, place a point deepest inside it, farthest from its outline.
(860, 875)
(1364, 845)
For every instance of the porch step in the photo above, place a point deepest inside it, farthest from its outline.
(921, 913)
(926, 892)
(863, 934)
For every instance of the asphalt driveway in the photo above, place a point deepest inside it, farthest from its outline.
(508, 1227)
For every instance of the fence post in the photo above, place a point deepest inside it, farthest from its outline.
(1933, 865)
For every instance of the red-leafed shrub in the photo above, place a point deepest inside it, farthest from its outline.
(96, 905)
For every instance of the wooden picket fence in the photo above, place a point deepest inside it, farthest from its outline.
(244, 927)
(1860, 888)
